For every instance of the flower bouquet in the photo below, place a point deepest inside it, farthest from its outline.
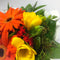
(27, 34)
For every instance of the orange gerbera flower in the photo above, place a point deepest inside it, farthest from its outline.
(12, 18)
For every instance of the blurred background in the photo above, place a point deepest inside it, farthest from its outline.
(51, 5)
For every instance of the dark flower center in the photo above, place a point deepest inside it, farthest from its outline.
(1, 52)
(9, 19)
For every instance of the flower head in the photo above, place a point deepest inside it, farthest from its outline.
(2, 52)
(31, 19)
(11, 51)
(17, 41)
(24, 52)
(8, 21)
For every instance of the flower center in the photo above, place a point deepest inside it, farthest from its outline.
(1, 52)
(23, 52)
(9, 19)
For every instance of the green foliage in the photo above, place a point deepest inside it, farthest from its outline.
(47, 41)
(54, 52)
(39, 7)
(34, 6)
(40, 12)
(42, 56)
(13, 33)
(10, 35)
(30, 8)
(43, 18)
(50, 27)
(35, 31)
(53, 17)
(8, 6)
(37, 43)
(22, 8)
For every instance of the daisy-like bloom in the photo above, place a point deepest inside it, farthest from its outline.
(2, 52)
(12, 18)
(11, 52)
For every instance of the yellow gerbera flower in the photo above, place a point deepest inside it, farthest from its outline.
(31, 19)
(24, 52)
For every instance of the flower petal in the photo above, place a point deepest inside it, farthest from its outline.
(2, 15)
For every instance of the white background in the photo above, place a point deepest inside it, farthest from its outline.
(51, 5)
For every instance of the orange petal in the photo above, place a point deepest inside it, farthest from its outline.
(14, 12)
(17, 21)
(1, 28)
(19, 11)
(20, 16)
(2, 15)
(15, 25)
(11, 27)
(4, 38)
(9, 12)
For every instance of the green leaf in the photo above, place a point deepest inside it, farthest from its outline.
(51, 29)
(39, 7)
(37, 43)
(23, 8)
(42, 56)
(54, 52)
(53, 17)
(35, 31)
(40, 12)
(29, 8)
(8, 6)
(34, 6)
(50, 16)
(10, 35)
(43, 18)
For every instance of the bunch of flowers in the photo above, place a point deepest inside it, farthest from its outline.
(27, 34)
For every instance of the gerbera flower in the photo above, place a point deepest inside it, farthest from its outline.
(12, 18)
(11, 52)
(2, 52)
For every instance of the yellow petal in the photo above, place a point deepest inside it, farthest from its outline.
(31, 19)
(36, 21)
(17, 42)
(25, 52)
